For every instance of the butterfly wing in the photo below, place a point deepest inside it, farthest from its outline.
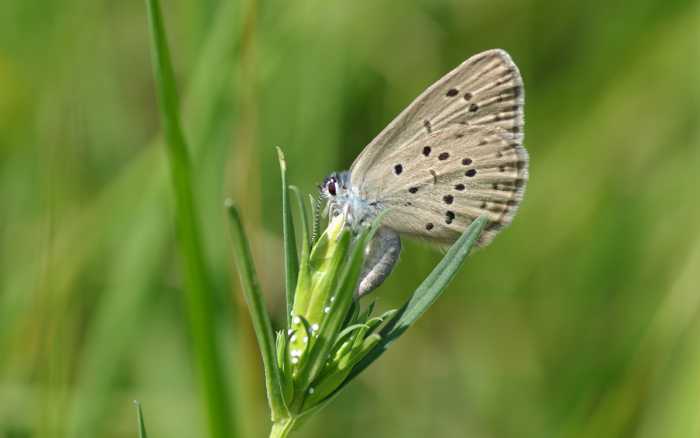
(450, 178)
(453, 154)
(485, 90)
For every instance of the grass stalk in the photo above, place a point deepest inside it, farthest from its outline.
(139, 419)
(283, 428)
(198, 285)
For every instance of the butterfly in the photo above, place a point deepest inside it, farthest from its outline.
(454, 154)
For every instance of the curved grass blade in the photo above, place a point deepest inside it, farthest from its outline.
(291, 259)
(197, 281)
(258, 314)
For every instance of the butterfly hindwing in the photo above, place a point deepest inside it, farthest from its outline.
(450, 178)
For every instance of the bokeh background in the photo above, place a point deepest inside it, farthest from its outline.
(581, 320)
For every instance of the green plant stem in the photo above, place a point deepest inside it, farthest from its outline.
(139, 419)
(283, 427)
(258, 314)
(197, 282)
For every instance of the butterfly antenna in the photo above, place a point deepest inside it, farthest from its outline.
(317, 219)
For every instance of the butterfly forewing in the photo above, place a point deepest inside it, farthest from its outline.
(453, 155)
(485, 90)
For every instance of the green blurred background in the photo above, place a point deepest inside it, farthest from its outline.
(581, 320)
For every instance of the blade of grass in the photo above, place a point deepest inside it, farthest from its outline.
(291, 259)
(122, 311)
(258, 314)
(139, 416)
(430, 289)
(197, 282)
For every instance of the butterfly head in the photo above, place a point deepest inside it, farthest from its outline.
(342, 197)
(334, 186)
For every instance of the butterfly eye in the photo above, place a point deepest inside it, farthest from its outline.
(331, 187)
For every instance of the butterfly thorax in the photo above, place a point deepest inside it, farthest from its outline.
(344, 198)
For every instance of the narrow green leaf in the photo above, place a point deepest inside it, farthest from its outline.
(344, 334)
(284, 365)
(197, 282)
(339, 308)
(291, 261)
(337, 375)
(258, 314)
(139, 417)
(375, 322)
(426, 294)
(280, 348)
(359, 351)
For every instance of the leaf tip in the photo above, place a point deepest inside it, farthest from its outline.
(282, 160)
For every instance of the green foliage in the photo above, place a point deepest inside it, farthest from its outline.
(580, 320)
(198, 285)
(327, 341)
(258, 313)
(291, 263)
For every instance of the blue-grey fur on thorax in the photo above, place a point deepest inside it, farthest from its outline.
(384, 249)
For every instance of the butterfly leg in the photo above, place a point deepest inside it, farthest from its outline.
(380, 257)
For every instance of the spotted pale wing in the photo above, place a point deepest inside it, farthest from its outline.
(435, 186)
(485, 90)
